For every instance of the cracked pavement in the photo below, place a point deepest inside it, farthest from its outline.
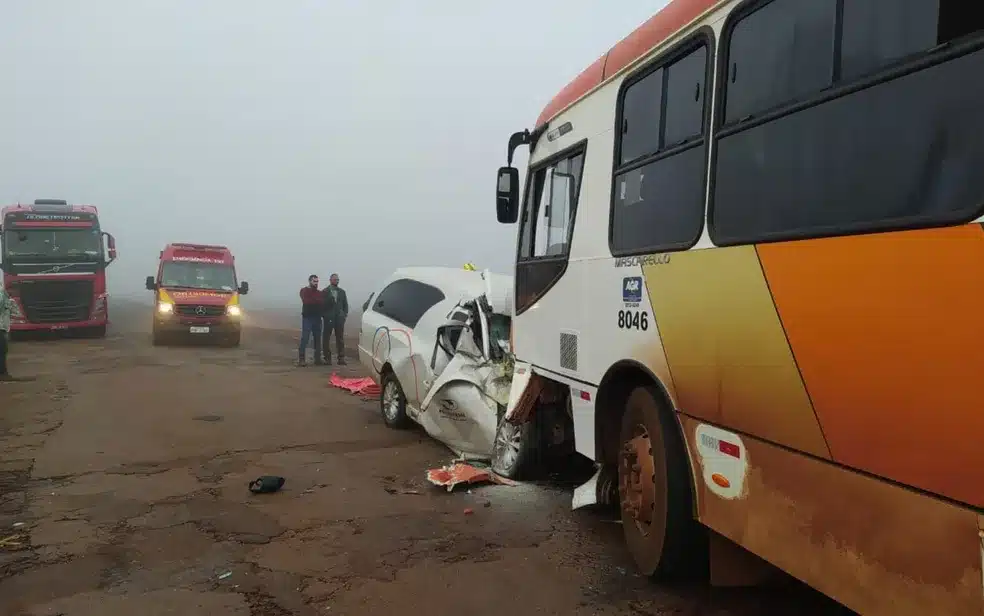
(123, 490)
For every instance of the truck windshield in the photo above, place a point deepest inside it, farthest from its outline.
(53, 244)
(211, 276)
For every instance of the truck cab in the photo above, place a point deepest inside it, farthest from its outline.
(54, 256)
(196, 295)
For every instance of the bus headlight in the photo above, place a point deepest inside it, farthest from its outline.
(234, 311)
(165, 308)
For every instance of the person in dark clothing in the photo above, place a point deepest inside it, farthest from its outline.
(312, 306)
(335, 311)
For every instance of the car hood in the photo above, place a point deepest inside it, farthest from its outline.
(201, 298)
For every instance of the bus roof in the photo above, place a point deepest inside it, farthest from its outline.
(664, 24)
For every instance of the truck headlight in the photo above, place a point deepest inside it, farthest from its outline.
(234, 311)
(165, 308)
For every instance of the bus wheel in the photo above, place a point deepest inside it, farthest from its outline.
(654, 490)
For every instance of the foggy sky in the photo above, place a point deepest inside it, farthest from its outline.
(309, 136)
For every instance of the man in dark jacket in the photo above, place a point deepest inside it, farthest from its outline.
(336, 309)
(312, 305)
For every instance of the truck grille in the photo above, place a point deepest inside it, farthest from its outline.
(56, 301)
(192, 310)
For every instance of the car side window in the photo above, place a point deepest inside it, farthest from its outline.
(405, 301)
(365, 306)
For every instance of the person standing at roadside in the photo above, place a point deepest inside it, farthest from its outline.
(6, 307)
(312, 306)
(336, 310)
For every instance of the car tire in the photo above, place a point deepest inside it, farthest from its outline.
(514, 446)
(393, 402)
(662, 536)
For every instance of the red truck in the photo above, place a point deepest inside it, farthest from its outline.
(54, 257)
(196, 294)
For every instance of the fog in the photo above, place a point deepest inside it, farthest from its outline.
(310, 136)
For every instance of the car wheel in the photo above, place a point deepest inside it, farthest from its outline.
(393, 403)
(513, 447)
(654, 491)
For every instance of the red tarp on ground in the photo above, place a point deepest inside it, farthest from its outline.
(365, 386)
(460, 473)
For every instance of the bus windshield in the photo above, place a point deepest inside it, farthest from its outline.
(210, 276)
(53, 244)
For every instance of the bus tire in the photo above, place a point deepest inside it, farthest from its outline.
(654, 491)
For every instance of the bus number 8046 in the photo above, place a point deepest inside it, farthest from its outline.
(633, 319)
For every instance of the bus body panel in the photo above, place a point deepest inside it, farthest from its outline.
(875, 546)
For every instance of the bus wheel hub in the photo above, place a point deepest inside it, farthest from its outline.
(637, 484)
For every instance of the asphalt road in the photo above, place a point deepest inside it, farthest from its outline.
(123, 491)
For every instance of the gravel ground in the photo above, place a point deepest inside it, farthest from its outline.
(123, 491)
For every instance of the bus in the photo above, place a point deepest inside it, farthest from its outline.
(750, 250)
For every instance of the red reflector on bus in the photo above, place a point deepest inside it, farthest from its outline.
(729, 449)
(585, 395)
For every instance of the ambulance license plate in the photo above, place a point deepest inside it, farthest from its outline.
(199, 330)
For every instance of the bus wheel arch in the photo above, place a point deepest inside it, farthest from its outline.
(634, 413)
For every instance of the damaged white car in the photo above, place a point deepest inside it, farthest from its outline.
(438, 341)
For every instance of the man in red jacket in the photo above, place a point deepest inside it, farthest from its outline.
(311, 308)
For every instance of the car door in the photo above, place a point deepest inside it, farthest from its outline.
(400, 306)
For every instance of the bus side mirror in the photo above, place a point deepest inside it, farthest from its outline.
(507, 195)
(243, 288)
(151, 285)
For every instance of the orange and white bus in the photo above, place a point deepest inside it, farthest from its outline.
(750, 251)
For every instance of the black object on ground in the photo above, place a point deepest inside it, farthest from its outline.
(266, 484)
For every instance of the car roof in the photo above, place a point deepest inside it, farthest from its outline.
(458, 284)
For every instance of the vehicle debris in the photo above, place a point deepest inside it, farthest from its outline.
(365, 386)
(460, 473)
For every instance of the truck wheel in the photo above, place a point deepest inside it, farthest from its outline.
(393, 402)
(654, 491)
(514, 446)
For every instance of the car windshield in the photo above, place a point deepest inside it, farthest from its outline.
(211, 276)
(48, 243)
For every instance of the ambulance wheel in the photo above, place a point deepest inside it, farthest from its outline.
(393, 402)
(233, 340)
(661, 533)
